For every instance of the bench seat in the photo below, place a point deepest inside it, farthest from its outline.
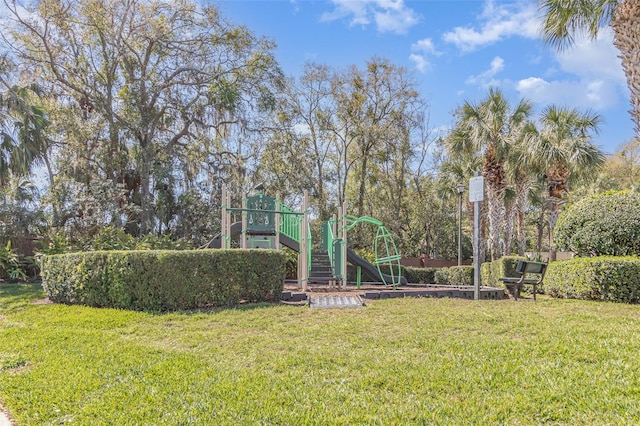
(531, 273)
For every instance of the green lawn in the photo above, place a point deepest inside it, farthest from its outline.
(394, 362)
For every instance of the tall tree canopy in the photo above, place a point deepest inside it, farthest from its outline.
(145, 85)
(491, 128)
(23, 123)
(565, 151)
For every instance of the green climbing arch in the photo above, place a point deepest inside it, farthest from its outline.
(384, 248)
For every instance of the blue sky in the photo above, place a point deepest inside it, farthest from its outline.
(456, 49)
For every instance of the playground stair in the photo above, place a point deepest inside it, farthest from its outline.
(321, 271)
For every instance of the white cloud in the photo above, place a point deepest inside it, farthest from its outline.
(593, 58)
(354, 9)
(422, 49)
(388, 15)
(425, 45)
(592, 77)
(497, 23)
(422, 63)
(594, 94)
(486, 78)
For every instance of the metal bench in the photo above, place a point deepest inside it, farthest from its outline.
(531, 273)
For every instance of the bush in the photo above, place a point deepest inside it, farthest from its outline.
(491, 272)
(367, 255)
(163, 242)
(55, 243)
(111, 238)
(420, 275)
(455, 275)
(604, 224)
(116, 238)
(609, 278)
(461, 275)
(442, 276)
(10, 263)
(413, 275)
(352, 273)
(291, 263)
(163, 280)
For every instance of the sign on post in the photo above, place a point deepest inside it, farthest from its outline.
(476, 196)
(476, 189)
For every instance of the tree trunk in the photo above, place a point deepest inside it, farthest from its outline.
(493, 172)
(553, 214)
(496, 223)
(509, 219)
(363, 184)
(540, 228)
(522, 239)
(146, 204)
(521, 204)
(625, 24)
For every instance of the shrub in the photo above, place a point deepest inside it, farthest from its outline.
(413, 275)
(461, 275)
(163, 242)
(11, 264)
(163, 280)
(111, 238)
(367, 255)
(604, 224)
(352, 273)
(420, 275)
(291, 263)
(442, 276)
(491, 272)
(455, 275)
(609, 278)
(54, 243)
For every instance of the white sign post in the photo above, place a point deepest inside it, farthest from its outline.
(476, 189)
(476, 196)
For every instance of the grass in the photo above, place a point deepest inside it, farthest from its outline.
(394, 362)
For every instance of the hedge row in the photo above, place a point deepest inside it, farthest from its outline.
(455, 275)
(164, 280)
(491, 272)
(420, 275)
(609, 278)
(413, 275)
(416, 275)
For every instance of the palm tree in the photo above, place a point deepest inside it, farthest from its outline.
(22, 130)
(522, 171)
(491, 127)
(565, 151)
(563, 19)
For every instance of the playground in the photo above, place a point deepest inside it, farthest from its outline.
(264, 222)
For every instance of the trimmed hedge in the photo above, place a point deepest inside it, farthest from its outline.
(413, 275)
(491, 272)
(609, 278)
(455, 275)
(420, 275)
(164, 280)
